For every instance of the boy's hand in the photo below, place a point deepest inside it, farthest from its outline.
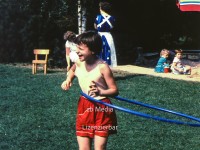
(66, 85)
(94, 91)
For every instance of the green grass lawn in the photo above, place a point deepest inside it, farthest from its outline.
(35, 114)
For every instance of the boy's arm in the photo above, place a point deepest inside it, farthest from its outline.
(68, 82)
(174, 65)
(109, 79)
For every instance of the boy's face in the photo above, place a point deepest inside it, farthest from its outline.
(179, 55)
(165, 55)
(83, 52)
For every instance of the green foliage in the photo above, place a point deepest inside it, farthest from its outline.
(36, 114)
(29, 24)
(153, 25)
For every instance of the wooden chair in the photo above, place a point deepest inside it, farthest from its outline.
(40, 59)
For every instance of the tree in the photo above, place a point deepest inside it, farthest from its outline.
(85, 9)
(29, 24)
(81, 17)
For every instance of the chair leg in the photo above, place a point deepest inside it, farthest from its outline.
(35, 68)
(45, 68)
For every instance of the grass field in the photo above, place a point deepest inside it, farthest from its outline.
(35, 114)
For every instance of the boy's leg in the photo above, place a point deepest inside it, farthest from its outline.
(100, 142)
(84, 143)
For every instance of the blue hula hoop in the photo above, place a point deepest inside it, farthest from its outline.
(158, 108)
(147, 115)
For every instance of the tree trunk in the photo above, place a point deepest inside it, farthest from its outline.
(84, 19)
(81, 17)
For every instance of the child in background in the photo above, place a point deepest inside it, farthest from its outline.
(162, 62)
(177, 66)
(94, 120)
(70, 47)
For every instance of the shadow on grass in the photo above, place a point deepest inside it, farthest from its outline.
(123, 75)
(128, 77)
(50, 72)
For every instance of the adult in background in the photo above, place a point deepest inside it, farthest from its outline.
(104, 24)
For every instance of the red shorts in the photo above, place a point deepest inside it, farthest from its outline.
(95, 118)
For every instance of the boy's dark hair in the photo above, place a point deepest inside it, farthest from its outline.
(70, 36)
(178, 51)
(92, 39)
(105, 6)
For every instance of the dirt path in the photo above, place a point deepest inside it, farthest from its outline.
(195, 76)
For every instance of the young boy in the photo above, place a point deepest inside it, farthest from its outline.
(162, 62)
(177, 66)
(94, 120)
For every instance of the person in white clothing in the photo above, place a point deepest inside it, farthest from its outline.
(70, 47)
(177, 66)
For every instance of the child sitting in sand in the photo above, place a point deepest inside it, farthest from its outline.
(177, 66)
(162, 62)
